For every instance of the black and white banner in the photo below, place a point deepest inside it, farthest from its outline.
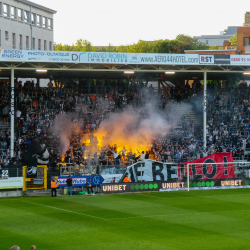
(149, 170)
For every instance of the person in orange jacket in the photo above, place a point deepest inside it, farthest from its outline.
(54, 185)
(126, 179)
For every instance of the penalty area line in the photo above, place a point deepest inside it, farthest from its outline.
(65, 210)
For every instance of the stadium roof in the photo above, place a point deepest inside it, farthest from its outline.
(38, 6)
(214, 37)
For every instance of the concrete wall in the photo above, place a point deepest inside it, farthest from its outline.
(21, 27)
(6, 194)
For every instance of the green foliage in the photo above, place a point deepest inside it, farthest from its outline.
(80, 45)
(233, 40)
(178, 45)
(215, 47)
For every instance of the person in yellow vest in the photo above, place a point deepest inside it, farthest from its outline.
(54, 185)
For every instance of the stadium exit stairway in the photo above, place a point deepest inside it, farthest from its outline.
(188, 111)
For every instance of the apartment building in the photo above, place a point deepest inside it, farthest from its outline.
(25, 25)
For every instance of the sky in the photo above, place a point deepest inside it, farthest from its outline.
(116, 22)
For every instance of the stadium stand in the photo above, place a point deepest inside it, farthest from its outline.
(90, 103)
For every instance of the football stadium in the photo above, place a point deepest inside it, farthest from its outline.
(118, 150)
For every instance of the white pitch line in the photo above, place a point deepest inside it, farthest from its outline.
(136, 217)
(69, 211)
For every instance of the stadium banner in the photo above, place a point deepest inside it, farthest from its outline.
(38, 181)
(7, 55)
(96, 180)
(111, 178)
(240, 59)
(98, 57)
(212, 184)
(34, 56)
(139, 187)
(206, 59)
(222, 59)
(11, 183)
(78, 181)
(150, 170)
(208, 170)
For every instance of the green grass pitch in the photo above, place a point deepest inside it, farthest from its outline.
(205, 219)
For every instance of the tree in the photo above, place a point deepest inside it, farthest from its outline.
(233, 40)
(165, 46)
(178, 45)
(84, 45)
(189, 43)
(215, 47)
(81, 45)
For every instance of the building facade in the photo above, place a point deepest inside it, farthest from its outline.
(243, 39)
(212, 40)
(26, 26)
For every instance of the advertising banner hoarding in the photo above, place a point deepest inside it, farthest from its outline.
(7, 55)
(79, 181)
(11, 183)
(138, 187)
(240, 60)
(208, 170)
(133, 187)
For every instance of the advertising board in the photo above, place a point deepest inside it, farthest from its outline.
(134, 187)
(11, 183)
(79, 181)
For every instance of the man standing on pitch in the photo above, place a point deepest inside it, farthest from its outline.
(54, 185)
(69, 185)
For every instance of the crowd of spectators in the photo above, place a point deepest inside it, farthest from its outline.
(36, 108)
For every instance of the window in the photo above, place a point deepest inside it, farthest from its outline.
(39, 44)
(33, 43)
(38, 20)
(206, 41)
(44, 22)
(246, 41)
(0, 37)
(50, 45)
(20, 41)
(49, 23)
(26, 16)
(27, 42)
(45, 45)
(13, 12)
(19, 15)
(1, 8)
(5, 10)
(14, 40)
(6, 35)
(33, 18)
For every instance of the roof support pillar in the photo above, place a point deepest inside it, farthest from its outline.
(12, 111)
(205, 110)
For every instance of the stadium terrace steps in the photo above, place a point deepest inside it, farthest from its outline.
(186, 110)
